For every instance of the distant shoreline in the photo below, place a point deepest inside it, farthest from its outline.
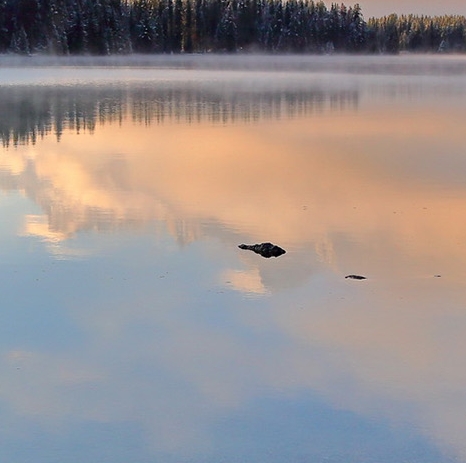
(124, 27)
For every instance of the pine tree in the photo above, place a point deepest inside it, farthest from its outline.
(188, 28)
(226, 35)
(356, 30)
(177, 27)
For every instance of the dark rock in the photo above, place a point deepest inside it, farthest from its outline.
(264, 249)
(356, 277)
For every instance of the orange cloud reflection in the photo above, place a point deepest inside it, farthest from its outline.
(384, 185)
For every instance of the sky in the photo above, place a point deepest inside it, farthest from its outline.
(421, 7)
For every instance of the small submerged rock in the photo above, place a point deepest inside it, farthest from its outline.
(356, 277)
(264, 249)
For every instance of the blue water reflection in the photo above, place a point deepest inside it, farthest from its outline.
(133, 328)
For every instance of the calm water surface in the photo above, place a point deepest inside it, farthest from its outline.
(133, 328)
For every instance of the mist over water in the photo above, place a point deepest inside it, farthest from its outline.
(135, 329)
(404, 64)
(76, 92)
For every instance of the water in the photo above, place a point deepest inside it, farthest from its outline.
(133, 328)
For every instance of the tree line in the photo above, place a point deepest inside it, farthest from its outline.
(393, 33)
(105, 27)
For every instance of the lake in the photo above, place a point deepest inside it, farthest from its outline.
(133, 327)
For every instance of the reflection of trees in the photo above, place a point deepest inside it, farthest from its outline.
(189, 106)
(31, 112)
(28, 113)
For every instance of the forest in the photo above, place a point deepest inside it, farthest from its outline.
(104, 27)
